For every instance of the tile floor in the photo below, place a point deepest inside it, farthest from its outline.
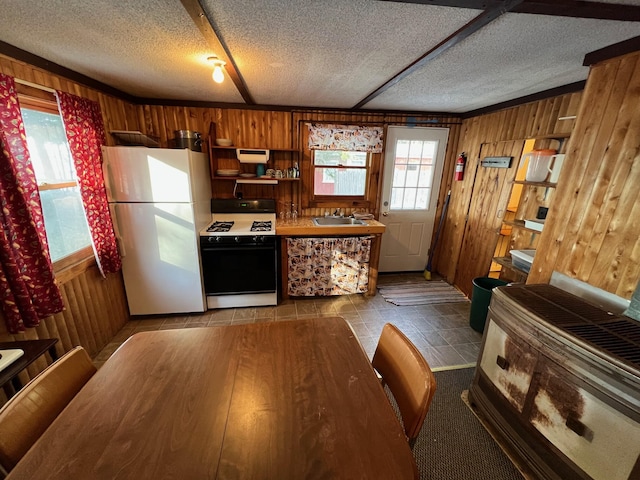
(441, 332)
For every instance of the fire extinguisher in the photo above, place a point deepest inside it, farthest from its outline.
(460, 163)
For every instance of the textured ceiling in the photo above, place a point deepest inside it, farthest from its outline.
(311, 53)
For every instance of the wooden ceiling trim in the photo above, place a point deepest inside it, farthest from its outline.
(563, 8)
(581, 9)
(616, 50)
(458, 36)
(55, 69)
(534, 97)
(207, 30)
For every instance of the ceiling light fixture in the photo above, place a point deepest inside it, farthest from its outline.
(218, 74)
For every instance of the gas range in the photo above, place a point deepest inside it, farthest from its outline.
(240, 221)
(239, 252)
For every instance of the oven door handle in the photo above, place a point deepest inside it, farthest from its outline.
(237, 247)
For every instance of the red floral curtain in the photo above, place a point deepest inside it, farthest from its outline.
(28, 288)
(85, 132)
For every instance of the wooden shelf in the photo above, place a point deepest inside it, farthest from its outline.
(234, 147)
(520, 224)
(256, 179)
(508, 263)
(552, 136)
(535, 184)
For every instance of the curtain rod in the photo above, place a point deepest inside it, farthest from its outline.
(34, 85)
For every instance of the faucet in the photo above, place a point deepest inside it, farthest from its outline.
(337, 213)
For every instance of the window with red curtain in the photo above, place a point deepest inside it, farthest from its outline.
(27, 285)
(85, 132)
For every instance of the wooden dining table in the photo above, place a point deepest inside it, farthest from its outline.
(275, 400)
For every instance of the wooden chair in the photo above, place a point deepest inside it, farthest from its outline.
(25, 417)
(408, 375)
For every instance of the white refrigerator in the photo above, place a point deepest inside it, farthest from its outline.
(159, 199)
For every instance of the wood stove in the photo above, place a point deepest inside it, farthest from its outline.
(559, 379)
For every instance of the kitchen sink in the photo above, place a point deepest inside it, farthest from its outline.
(334, 220)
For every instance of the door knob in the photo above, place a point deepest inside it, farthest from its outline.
(384, 214)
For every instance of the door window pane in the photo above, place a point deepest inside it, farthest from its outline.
(413, 174)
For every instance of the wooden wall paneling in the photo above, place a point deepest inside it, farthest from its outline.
(491, 190)
(116, 299)
(446, 184)
(593, 237)
(546, 109)
(80, 319)
(510, 123)
(617, 228)
(41, 331)
(629, 274)
(523, 240)
(532, 198)
(582, 170)
(615, 169)
(551, 116)
(615, 269)
(521, 115)
(83, 304)
(67, 318)
(516, 123)
(100, 329)
(455, 223)
(64, 337)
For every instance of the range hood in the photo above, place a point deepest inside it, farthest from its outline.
(252, 155)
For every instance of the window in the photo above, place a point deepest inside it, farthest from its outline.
(340, 173)
(413, 170)
(65, 221)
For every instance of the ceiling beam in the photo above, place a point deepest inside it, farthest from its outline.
(580, 9)
(203, 23)
(455, 38)
(562, 8)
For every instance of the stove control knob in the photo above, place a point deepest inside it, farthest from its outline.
(218, 239)
(236, 239)
(258, 239)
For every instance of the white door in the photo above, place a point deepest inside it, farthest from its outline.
(414, 157)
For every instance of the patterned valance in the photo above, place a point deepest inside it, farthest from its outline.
(353, 138)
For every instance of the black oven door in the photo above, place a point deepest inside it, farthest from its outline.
(239, 269)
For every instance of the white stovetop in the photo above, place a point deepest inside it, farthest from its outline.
(241, 223)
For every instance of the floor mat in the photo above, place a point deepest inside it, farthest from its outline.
(453, 444)
(421, 292)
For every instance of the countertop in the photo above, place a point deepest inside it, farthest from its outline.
(304, 226)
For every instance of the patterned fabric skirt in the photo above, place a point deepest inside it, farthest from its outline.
(321, 267)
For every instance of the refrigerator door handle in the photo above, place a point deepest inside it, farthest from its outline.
(116, 230)
(106, 174)
(120, 245)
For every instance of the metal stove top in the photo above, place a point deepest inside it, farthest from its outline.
(617, 336)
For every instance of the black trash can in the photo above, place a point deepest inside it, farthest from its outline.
(480, 298)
